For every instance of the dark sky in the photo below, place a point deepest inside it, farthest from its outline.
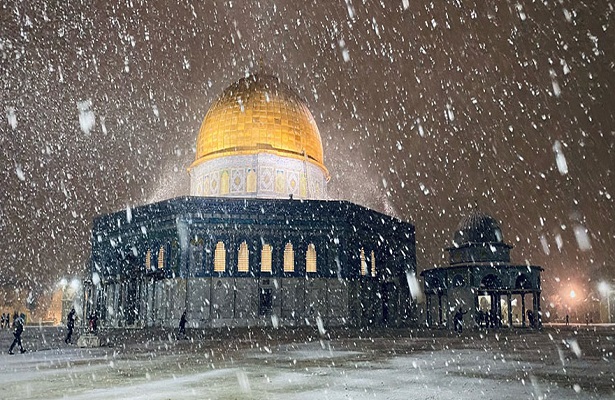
(423, 108)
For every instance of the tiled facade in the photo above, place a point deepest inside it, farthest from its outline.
(262, 175)
(225, 261)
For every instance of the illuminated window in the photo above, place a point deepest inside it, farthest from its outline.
(363, 263)
(373, 260)
(289, 258)
(266, 258)
(219, 258)
(148, 259)
(243, 258)
(310, 258)
(161, 258)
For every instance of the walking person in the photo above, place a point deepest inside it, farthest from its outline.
(18, 324)
(93, 323)
(458, 320)
(182, 325)
(70, 325)
(2, 321)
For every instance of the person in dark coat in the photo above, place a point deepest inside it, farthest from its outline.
(70, 325)
(18, 324)
(93, 323)
(182, 325)
(458, 320)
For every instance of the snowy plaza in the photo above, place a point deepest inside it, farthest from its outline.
(281, 199)
(560, 362)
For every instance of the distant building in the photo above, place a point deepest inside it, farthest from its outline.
(482, 281)
(256, 243)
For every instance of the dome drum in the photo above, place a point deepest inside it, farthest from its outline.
(261, 175)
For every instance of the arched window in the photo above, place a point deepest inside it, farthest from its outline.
(219, 257)
(266, 258)
(373, 261)
(148, 260)
(310, 258)
(458, 281)
(363, 263)
(243, 258)
(161, 258)
(289, 258)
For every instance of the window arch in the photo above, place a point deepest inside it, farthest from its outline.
(289, 258)
(243, 258)
(161, 258)
(266, 258)
(220, 257)
(373, 262)
(148, 260)
(458, 281)
(310, 258)
(522, 282)
(363, 263)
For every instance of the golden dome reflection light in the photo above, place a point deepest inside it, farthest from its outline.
(259, 113)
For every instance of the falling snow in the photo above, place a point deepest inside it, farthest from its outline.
(425, 110)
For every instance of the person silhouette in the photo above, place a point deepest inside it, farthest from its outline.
(70, 325)
(182, 325)
(18, 324)
(458, 320)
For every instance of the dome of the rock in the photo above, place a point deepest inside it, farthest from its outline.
(259, 139)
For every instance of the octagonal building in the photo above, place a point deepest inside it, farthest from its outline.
(257, 242)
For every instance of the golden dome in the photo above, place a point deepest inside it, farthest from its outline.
(259, 114)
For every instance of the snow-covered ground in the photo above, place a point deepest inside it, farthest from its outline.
(557, 363)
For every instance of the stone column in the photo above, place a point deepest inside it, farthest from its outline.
(439, 308)
(428, 310)
(523, 308)
(509, 300)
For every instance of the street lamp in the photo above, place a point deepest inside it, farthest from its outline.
(605, 290)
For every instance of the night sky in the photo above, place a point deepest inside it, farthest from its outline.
(424, 108)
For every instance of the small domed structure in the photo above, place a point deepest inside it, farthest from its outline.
(481, 279)
(478, 227)
(478, 239)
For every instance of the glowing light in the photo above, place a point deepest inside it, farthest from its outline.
(604, 288)
(572, 294)
(75, 283)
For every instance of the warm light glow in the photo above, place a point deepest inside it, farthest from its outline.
(572, 294)
(266, 258)
(289, 258)
(259, 114)
(219, 257)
